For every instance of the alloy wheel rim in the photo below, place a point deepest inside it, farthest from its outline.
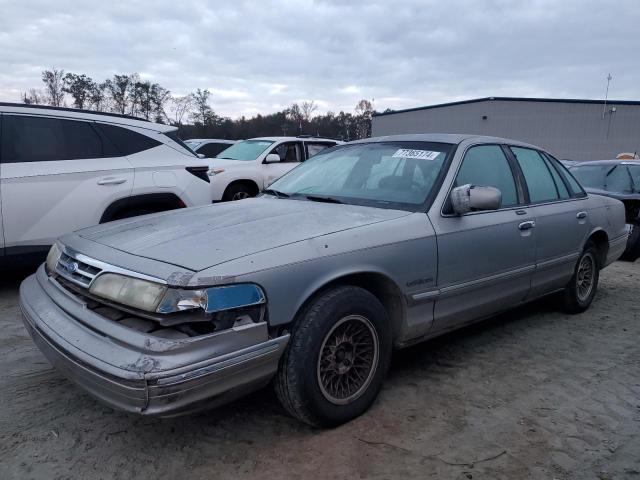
(585, 277)
(348, 359)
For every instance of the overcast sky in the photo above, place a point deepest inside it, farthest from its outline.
(261, 56)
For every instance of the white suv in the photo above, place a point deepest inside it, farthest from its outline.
(249, 166)
(64, 169)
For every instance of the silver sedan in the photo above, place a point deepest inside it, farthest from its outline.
(366, 247)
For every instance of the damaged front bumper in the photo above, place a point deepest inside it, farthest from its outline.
(142, 373)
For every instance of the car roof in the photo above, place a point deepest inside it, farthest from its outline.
(608, 162)
(202, 140)
(77, 114)
(292, 139)
(454, 138)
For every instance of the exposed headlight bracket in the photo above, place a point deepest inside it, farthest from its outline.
(212, 300)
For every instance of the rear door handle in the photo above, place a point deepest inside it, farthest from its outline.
(527, 225)
(111, 181)
(581, 215)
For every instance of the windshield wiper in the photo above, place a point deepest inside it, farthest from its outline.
(318, 198)
(275, 193)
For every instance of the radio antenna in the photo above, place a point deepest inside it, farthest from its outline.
(606, 96)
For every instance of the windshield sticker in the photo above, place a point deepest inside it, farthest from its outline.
(421, 154)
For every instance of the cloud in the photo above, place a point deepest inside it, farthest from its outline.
(259, 57)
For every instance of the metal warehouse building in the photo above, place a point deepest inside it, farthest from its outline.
(569, 129)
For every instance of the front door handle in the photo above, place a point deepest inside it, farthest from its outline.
(581, 215)
(527, 225)
(111, 181)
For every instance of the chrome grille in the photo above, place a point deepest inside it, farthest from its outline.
(76, 271)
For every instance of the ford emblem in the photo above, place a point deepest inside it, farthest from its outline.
(72, 267)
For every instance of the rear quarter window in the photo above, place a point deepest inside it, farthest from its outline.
(127, 141)
(576, 189)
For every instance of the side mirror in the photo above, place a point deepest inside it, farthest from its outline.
(201, 155)
(467, 198)
(272, 158)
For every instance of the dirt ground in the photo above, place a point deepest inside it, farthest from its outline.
(530, 394)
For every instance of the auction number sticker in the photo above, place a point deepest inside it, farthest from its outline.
(421, 154)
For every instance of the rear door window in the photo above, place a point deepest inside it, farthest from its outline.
(540, 183)
(315, 148)
(42, 139)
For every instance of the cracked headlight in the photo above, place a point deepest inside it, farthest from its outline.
(213, 299)
(52, 257)
(133, 292)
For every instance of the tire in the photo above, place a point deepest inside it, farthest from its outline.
(581, 289)
(238, 191)
(632, 252)
(308, 384)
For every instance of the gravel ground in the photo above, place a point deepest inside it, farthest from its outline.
(530, 394)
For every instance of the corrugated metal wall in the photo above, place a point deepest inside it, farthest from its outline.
(567, 130)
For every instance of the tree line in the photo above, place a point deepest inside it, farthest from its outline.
(192, 113)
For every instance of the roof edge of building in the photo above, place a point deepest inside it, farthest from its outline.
(510, 99)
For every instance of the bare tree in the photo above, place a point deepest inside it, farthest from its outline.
(364, 112)
(180, 108)
(119, 88)
(34, 97)
(307, 110)
(53, 86)
(98, 97)
(294, 114)
(203, 114)
(80, 88)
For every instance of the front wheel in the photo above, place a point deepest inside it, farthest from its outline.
(336, 360)
(579, 292)
(239, 191)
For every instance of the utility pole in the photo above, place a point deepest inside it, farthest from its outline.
(606, 96)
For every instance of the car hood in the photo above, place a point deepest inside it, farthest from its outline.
(202, 237)
(224, 163)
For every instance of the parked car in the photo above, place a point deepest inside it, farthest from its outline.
(619, 179)
(366, 247)
(209, 147)
(63, 169)
(248, 166)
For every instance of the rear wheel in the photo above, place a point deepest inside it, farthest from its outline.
(632, 252)
(581, 289)
(337, 358)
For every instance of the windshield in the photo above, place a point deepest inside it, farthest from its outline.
(392, 175)
(611, 178)
(245, 150)
(193, 144)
